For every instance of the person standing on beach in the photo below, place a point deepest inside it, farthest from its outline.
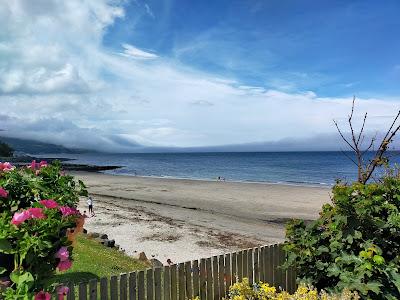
(90, 204)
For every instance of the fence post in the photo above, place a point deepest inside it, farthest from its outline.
(227, 273)
(82, 291)
(256, 266)
(93, 289)
(196, 284)
(174, 284)
(149, 282)
(188, 275)
(141, 295)
(123, 287)
(103, 289)
(181, 281)
(132, 286)
(157, 283)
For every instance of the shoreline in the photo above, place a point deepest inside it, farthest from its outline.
(183, 219)
(299, 184)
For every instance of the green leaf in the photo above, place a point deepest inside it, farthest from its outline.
(5, 246)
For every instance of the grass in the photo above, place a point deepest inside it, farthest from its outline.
(93, 261)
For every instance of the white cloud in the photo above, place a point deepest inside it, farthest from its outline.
(53, 88)
(131, 51)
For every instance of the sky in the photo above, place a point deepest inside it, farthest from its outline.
(120, 75)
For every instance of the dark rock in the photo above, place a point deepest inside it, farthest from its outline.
(142, 256)
(104, 236)
(110, 243)
(84, 231)
(93, 235)
(156, 263)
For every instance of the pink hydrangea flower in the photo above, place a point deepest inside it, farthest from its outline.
(49, 203)
(6, 167)
(3, 193)
(43, 164)
(42, 296)
(36, 166)
(36, 213)
(62, 254)
(64, 265)
(21, 217)
(66, 211)
(62, 290)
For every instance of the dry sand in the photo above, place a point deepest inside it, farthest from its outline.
(183, 220)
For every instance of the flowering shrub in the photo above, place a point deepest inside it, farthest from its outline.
(37, 209)
(263, 291)
(354, 244)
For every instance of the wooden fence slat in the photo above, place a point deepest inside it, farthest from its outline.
(83, 291)
(157, 283)
(167, 283)
(239, 257)
(227, 273)
(132, 286)
(188, 277)
(174, 283)
(281, 271)
(275, 256)
(181, 281)
(269, 265)
(244, 260)
(196, 283)
(114, 287)
(215, 278)
(104, 288)
(261, 264)
(71, 292)
(256, 265)
(291, 280)
(141, 290)
(234, 272)
(149, 284)
(221, 277)
(93, 289)
(203, 282)
(209, 279)
(250, 264)
(123, 287)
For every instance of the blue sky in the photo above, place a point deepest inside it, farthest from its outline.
(120, 75)
(335, 48)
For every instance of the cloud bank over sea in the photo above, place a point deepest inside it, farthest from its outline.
(60, 83)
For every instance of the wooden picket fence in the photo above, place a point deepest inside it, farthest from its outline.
(207, 278)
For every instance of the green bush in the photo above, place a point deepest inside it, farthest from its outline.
(37, 210)
(354, 244)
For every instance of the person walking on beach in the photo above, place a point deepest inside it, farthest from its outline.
(90, 204)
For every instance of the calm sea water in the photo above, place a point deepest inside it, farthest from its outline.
(303, 168)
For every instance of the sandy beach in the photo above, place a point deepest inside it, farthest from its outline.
(182, 220)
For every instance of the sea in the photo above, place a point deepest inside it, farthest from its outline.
(293, 168)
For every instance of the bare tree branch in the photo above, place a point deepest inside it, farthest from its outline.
(365, 172)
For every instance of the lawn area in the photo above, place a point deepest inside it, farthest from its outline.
(93, 261)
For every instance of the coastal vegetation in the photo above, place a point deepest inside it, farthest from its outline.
(6, 150)
(38, 221)
(263, 291)
(355, 243)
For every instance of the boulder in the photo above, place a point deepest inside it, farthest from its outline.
(142, 256)
(104, 236)
(156, 263)
(93, 235)
(84, 231)
(110, 243)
